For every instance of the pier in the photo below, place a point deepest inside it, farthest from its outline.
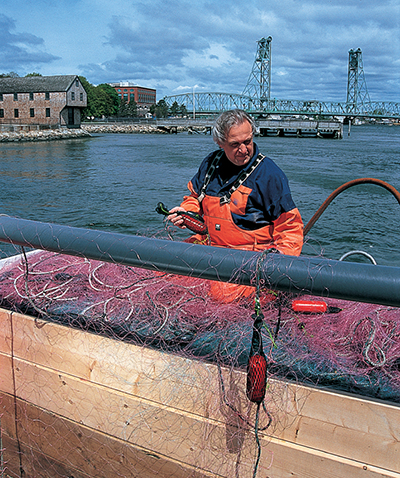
(300, 128)
(272, 127)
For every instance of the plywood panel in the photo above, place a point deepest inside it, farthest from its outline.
(57, 442)
(55, 446)
(145, 396)
(177, 434)
(140, 371)
(5, 331)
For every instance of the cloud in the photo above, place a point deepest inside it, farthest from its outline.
(167, 44)
(20, 50)
(214, 44)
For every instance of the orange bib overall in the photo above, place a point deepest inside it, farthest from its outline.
(223, 232)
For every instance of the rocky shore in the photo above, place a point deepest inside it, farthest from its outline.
(130, 128)
(89, 129)
(43, 135)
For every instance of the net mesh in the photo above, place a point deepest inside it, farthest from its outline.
(185, 341)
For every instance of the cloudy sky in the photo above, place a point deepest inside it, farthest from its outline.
(176, 45)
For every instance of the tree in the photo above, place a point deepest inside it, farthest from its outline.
(128, 109)
(160, 109)
(183, 111)
(175, 109)
(132, 108)
(109, 98)
(102, 100)
(11, 74)
(123, 108)
(32, 74)
(89, 88)
(178, 110)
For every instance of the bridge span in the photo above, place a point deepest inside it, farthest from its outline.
(205, 104)
(256, 96)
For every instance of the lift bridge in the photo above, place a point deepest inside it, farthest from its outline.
(256, 97)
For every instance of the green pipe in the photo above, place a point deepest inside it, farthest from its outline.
(317, 276)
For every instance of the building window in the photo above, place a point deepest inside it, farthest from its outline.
(31, 96)
(131, 97)
(47, 95)
(1, 113)
(32, 112)
(1, 96)
(81, 96)
(77, 82)
(72, 96)
(15, 96)
(47, 112)
(16, 113)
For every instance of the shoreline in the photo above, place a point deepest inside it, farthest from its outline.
(135, 128)
(44, 135)
(85, 131)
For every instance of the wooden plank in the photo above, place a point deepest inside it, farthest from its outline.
(365, 430)
(291, 460)
(133, 369)
(303, 415)
(177, 434)
(101, 456)
(110, 380)
(185, 438)
(11, 463)
(59, 443)
(6, 374)
(33, 463)
(5, 331)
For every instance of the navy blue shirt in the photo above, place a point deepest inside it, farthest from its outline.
(270, 194)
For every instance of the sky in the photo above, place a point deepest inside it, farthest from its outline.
(179, 46)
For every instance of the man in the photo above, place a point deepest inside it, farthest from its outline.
(243, 196)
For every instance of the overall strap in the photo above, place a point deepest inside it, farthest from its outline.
(209, 173)
(240, 180)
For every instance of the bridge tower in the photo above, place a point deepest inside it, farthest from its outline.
(357, 93)
(258, 85)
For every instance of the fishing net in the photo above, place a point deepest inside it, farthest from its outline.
(353, 348)
(347, 346)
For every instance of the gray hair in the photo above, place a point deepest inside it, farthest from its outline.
(226, 120)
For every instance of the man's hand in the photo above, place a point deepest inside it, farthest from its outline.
(176, 219)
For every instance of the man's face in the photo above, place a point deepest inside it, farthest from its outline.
(239, 145)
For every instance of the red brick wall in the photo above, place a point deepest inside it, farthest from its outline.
(143, 96)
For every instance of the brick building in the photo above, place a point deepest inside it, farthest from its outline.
(144, 97)
(50, 101)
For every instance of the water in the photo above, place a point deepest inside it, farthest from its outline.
(113, 182)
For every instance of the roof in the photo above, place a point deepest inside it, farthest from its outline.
(36, 84)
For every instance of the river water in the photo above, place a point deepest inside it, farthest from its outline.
(113, 182)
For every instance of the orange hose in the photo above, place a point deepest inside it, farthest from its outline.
(345, 186)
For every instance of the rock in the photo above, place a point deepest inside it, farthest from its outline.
(47, 135)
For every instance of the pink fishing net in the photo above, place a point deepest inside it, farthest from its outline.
(354, 347)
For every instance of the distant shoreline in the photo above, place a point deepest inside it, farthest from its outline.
(85, 131)
(128, 128)
(43, 135)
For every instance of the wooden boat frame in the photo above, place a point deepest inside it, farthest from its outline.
(72, 404)
(77, 404)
